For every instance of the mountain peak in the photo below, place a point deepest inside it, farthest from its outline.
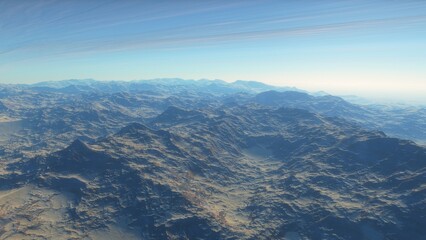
(285, 94)
(78, 145)
(174, 113)
(249, 83)
(2, 106)
(134, 128)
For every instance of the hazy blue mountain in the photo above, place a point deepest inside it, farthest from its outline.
(217, 87)
(3, 108)
(65, 83)
(403, 122)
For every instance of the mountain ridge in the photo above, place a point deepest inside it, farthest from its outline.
(176, 163)
(145, 158)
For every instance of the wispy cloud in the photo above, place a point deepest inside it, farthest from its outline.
(52, 28)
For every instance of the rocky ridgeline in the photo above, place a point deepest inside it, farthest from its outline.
(205, 160)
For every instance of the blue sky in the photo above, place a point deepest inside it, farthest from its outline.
(369, 48)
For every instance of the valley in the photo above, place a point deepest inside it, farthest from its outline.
(189, 162)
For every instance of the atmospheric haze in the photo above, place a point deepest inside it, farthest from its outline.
(374, 49)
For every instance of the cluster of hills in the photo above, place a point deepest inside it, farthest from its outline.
(179, 159)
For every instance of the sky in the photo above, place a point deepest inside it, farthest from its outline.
(374, 49)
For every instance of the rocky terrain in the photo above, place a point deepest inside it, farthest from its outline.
(174, 159)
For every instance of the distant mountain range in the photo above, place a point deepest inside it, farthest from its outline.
(165, 84)
(176, 159)
(404, 122)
